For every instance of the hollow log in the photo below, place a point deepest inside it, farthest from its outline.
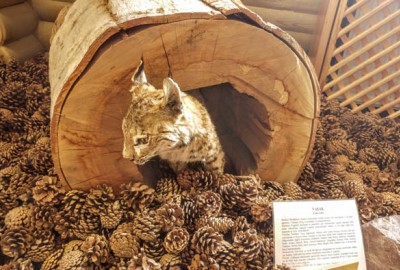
(257, 83)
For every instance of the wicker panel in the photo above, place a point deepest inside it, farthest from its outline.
(364, 71)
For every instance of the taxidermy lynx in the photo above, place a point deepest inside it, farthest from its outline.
(170, 124)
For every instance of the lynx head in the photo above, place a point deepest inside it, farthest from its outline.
(149, 125)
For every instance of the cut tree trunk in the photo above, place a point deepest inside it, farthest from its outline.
(257, 83)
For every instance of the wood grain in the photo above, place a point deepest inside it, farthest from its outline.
(264, 97)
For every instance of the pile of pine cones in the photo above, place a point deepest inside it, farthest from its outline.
(195, 220)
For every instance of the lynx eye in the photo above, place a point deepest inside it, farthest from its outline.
(141, 140)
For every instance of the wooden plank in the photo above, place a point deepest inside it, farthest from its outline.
(43, 33)
(305, 6)
(364, 78)
(16, 22)
(48, 9)
(320, 44)
(288, 20)
(19, 51)
(7, 3)
(378, 98)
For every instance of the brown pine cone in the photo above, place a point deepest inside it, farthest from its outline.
(323, 166)
(43, 218)
(248, 193)
(199, 179)
(225, 256)
(367, 214)
(74, 203)
(266, 249)
(320, 188)
(218, 224)
(123, 242)
(209, 203)
(147, 226)
(99, 198)
(43, 245)
(310, 195)
(171, 215)
(341, 147)
(353, 189)
(112, 215)
(15, 242)
(246, 245)
(167, 187)
(382, 182)
(95, 249)
(206, 240)
(336, 193)
(72, 260)
(275, 187)
(203, 262)
(176, 240)
(21, 263)
(393, 200)
(22, 184)
(48, 191)
(170, 261)
(137, 195)
(8, 201)
(141, 262)
(19, 217)
(292, 190)
(308, 172)
(230, 195)
(154, 249)
(332, 181)
(240, 224)
(190, 212)
(85, 225)
(261, 210)
(227, 178)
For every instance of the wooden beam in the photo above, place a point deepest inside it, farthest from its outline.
(305, 6)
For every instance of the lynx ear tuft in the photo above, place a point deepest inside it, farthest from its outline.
(172, 95)
(139, 76)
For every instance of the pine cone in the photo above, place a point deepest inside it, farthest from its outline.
(147, 226)
(336, 193)
(209, 203)
(248, 193)
(48, 191)
(19, 217)
(353, 189)
(206, 240)
(25, 264)
(321, 189)
(261, 211)
(154, 249)
(167, 187)
(43, 245)
(142, 262)
(123, 242)
(241, 224)
(203, 262)
(15, 242)
(230, 195)
(382, 182)
(225, 256)
(176, 240)
(99, 198)
(171, 215)
(310, 195)
(86, 225)
(392, 200)
(190, 212)
(199, 179)
(292, 190)
(226, 178)
(137, 195)
(246, 245)
(170, 261)
(95, 249)
(332, 181)
(341, 147)
(112, 215)
(218, 224)
(72, 260)
(275, 187)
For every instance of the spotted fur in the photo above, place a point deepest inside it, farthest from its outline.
(170, 124)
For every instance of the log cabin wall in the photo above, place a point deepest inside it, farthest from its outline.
(26, 27)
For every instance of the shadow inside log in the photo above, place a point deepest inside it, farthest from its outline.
(242, 126)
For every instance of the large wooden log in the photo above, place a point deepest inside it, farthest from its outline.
(257, 82)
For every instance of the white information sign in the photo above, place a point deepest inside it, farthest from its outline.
(318, 234)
